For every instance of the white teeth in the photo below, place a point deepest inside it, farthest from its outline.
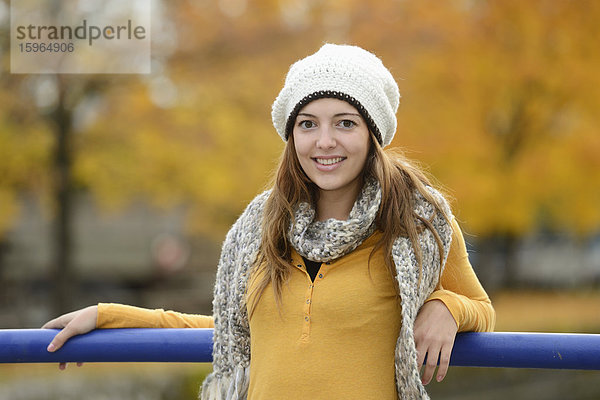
(328, 161)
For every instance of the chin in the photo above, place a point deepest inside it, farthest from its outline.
(330, 187)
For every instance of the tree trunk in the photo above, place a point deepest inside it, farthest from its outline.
(511, 267)
(62, 264)
(497, 262)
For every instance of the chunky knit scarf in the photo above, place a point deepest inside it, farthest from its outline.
(320, 241)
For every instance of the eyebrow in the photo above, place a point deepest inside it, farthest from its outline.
(335, 115)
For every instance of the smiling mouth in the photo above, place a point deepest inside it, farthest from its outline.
(329, 161)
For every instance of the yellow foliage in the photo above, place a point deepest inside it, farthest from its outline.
(24, 158)
(498, 98)
(9, 210)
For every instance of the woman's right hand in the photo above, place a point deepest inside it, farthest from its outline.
(71, 324)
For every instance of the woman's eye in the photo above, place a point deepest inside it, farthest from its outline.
(306, 124)
(347, 123)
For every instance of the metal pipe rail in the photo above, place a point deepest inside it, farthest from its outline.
(505, 350)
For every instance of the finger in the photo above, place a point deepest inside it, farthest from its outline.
(60, 339)
(431, 364)
(79, 364)
(62, 366)
(444, 362)
(421, 353)
(59, 322)
(53, 324)
(47, 325)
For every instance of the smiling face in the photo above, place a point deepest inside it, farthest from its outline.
(332, 143)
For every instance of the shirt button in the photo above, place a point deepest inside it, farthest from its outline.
(320, 275)
(307, 301)
(299, 265)
(306, 319)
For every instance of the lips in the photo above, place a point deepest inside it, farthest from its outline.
(328, 160)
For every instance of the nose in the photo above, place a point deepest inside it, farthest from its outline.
(325, 139)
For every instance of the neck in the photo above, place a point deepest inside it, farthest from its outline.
(336, 204)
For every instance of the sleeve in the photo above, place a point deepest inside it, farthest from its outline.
(112, 315)
(460, 290)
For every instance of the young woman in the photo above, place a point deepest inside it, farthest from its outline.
(340, 280)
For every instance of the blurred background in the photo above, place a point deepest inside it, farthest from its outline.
(120, 188)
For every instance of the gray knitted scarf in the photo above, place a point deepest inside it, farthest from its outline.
(320, 241)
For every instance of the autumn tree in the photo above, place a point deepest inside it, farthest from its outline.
(498, 100)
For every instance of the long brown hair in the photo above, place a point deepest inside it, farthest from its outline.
(398, 179)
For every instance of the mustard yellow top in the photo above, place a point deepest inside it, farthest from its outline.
(335, 338)
(348, 319)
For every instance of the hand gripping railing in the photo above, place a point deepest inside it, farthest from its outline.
(508, 350)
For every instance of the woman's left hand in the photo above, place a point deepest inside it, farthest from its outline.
(435, 330)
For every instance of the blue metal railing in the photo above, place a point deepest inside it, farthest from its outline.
(507, 350)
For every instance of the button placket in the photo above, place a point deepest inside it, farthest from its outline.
(323, 270)
(307, 310)
(309, 299)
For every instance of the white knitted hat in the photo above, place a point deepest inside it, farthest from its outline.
(345, 72)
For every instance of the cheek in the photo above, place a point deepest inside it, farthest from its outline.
(301, 147)
(362, 147)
